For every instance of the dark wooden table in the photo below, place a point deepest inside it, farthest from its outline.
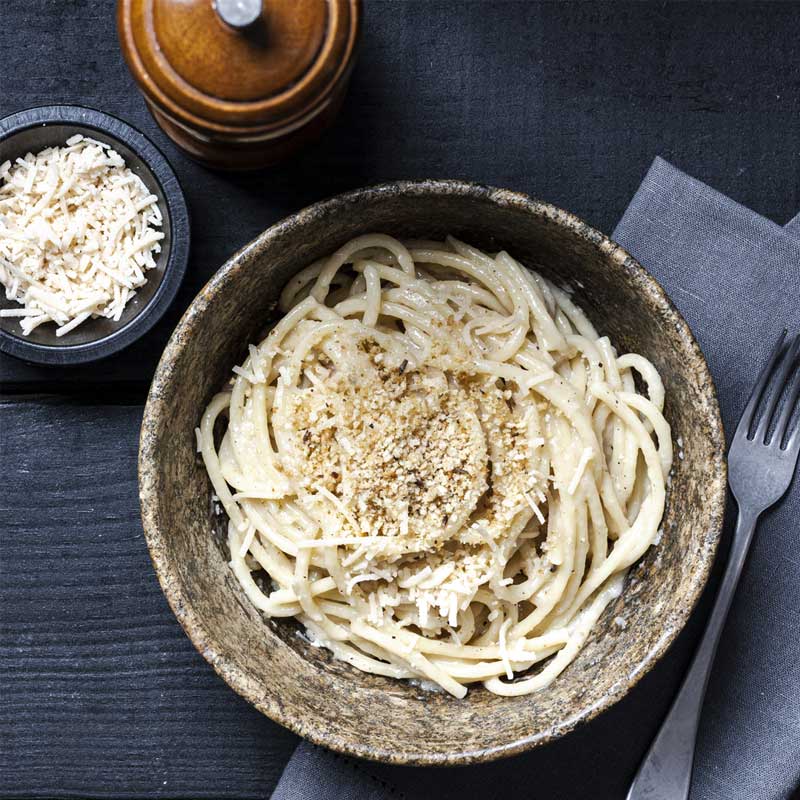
(101, 694)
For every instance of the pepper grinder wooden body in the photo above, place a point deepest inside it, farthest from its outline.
(240, 84)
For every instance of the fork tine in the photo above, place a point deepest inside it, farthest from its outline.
(779, 383)
(749, 410)
(786, 414)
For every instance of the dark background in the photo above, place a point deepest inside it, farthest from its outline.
(101, 694)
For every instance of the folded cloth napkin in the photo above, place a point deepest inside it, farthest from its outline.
(735, 276)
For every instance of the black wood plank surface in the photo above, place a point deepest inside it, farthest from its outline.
(568, 101)
(101, 692)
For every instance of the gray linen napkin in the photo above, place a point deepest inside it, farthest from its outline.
(735, 276)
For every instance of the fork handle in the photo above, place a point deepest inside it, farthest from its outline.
(666, 772)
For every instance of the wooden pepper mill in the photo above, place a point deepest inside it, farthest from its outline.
(240, 84)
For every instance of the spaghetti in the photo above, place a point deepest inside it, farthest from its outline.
(437, 466)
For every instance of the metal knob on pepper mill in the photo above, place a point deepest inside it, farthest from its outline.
(238, 13)
(241, 84)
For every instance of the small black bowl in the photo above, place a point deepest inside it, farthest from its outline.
(37, 128)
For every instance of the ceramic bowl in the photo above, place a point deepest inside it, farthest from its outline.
(303, 687)
(37, 128)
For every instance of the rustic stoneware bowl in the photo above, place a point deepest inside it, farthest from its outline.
(302, 687)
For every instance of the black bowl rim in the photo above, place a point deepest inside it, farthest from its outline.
(157, 409)
(177, 259)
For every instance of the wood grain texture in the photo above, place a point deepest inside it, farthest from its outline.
(567, 101)
(102, 693)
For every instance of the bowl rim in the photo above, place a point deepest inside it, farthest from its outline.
(156, 163)
(243, 683)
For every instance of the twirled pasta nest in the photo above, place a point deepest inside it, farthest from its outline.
(437, 466)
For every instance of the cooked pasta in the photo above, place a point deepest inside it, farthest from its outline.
(437, 466)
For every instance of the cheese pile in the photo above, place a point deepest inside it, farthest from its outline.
(78, 232)
(415, 450)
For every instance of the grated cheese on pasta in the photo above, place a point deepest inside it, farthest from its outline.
(441, 466)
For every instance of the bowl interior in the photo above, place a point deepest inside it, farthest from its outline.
(38, 137)
(302, 686)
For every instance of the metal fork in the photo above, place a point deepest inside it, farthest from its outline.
(760, 469)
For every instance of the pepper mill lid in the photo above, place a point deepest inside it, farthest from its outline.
(238, 70)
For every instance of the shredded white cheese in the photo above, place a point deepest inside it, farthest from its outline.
(586, 456)
(247, 541)
(77, 234)
(503, 643)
